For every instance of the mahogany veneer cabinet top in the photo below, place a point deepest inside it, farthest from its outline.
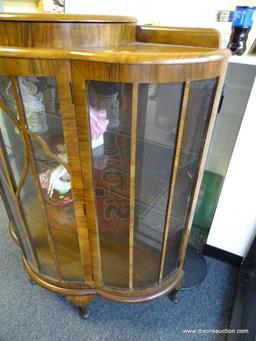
(105, 128)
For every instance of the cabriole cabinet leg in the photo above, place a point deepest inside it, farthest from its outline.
(84, 312)
(31, 280)
(82, 303)
(173, 296)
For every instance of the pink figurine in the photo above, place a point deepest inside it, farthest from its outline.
(98, 121)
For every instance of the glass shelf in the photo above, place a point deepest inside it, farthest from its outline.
(154, 178)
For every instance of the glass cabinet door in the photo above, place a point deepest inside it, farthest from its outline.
(110, 127)
(146, 144)
(43, 186)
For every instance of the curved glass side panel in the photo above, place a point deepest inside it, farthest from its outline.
(35, 221)
(13, 147)
(14, 217)
(158, 114)
(132, 253)
(199, 106)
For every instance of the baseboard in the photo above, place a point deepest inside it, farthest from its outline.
(222, 255)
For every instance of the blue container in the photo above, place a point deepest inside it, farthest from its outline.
(243, 17)
(241, 25)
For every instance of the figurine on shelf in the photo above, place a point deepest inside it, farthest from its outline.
(59, 181)
(98, 123)
(57, 184)
(33, 105)
(105, 95)
(111, 104)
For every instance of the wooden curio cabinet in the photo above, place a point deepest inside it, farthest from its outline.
(105, 127)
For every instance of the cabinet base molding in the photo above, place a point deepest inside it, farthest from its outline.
(82, 297)
(85, 296)
(140, 296)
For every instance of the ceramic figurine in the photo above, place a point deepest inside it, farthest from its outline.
(111, 103)
(98, 123)
(34, 106)
(57, 183)
(106, 96)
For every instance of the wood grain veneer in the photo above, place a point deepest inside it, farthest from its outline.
(65, 31)
(187, 36)
(135, 53)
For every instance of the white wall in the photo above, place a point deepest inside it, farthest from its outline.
(20, 6)
(197, 13)
(185, 12)
(192, 13)
(238, 84)
(234, 224)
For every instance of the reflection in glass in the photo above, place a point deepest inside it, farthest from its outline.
(13, 147)
(14, 216)
(110, 114)
(199, 106)
(6, 95)
(55, 185)
(54, 178)
(68, 253)
(38, 228)
(41, 106)
(158, 113)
